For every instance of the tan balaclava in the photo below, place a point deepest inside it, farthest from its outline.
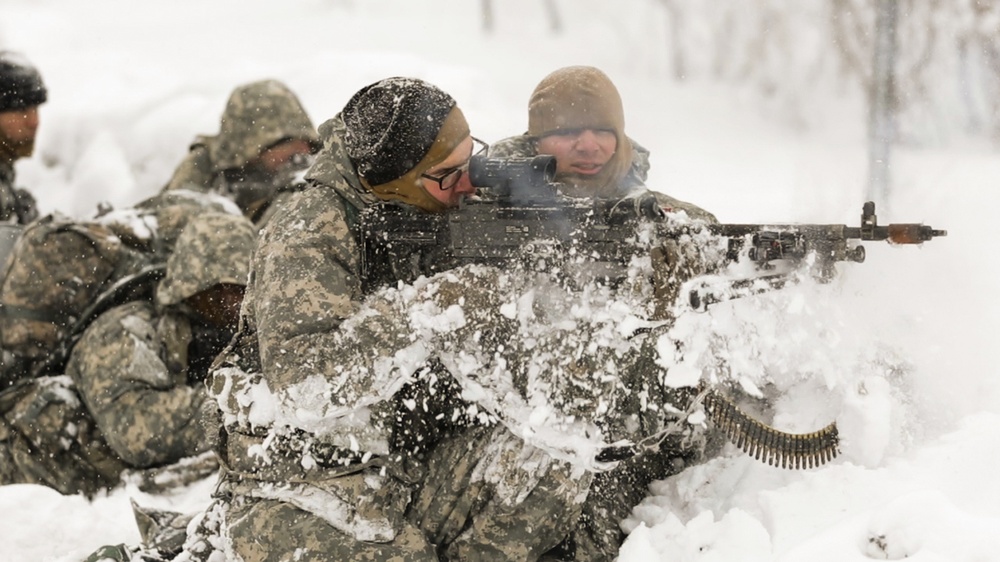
(396, 130)
(582, 97)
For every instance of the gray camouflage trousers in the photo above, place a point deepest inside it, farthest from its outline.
(486, 496)
(47, 437)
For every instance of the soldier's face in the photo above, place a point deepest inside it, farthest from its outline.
(18, 128)
(580, 152)
(276, 157)
(456, 162)
(219, 305)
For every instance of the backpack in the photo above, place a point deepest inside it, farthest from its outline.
(57, 269)
(62, 273)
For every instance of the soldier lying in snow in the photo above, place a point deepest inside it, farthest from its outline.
(133, 391)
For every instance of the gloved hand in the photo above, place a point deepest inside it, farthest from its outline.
(673, 264)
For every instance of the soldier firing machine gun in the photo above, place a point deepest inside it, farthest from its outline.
(521, 220)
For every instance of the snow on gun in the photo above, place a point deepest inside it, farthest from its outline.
(819, 246)
(519, 221)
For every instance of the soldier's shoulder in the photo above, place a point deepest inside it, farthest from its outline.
(196, 170)
(316, 202)
(315, 211)
(133, 317)
(520, 146)
(640, 162)
(113, 336)
(669, 203)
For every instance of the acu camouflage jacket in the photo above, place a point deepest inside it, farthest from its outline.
(16, 205)
(141, 379)
(322, 388)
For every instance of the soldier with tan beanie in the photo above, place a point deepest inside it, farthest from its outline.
(576, 115)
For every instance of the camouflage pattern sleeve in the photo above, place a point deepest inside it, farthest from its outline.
(194, 172)
(146, 410)
(304, 284)
(47, 437)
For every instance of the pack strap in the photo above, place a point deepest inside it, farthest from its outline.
(127, 289)
(13, 312)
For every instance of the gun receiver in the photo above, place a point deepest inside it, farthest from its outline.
(519, 219)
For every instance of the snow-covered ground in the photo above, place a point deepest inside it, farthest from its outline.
(899, 350)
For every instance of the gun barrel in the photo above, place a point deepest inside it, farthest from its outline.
(905, 233)
(911, 233)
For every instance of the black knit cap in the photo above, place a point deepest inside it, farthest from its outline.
(20, 83)
(391, 126)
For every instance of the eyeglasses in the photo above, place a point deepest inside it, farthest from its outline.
(449, 178)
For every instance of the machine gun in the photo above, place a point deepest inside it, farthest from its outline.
(520, 220)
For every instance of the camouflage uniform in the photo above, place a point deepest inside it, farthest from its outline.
(16, 205)
(63, 268)
(598, 535)
(133, 393)
(47, 437)
(258, 116)
(314, 478)
(523, 146)
(613, 494)
(139, 367)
